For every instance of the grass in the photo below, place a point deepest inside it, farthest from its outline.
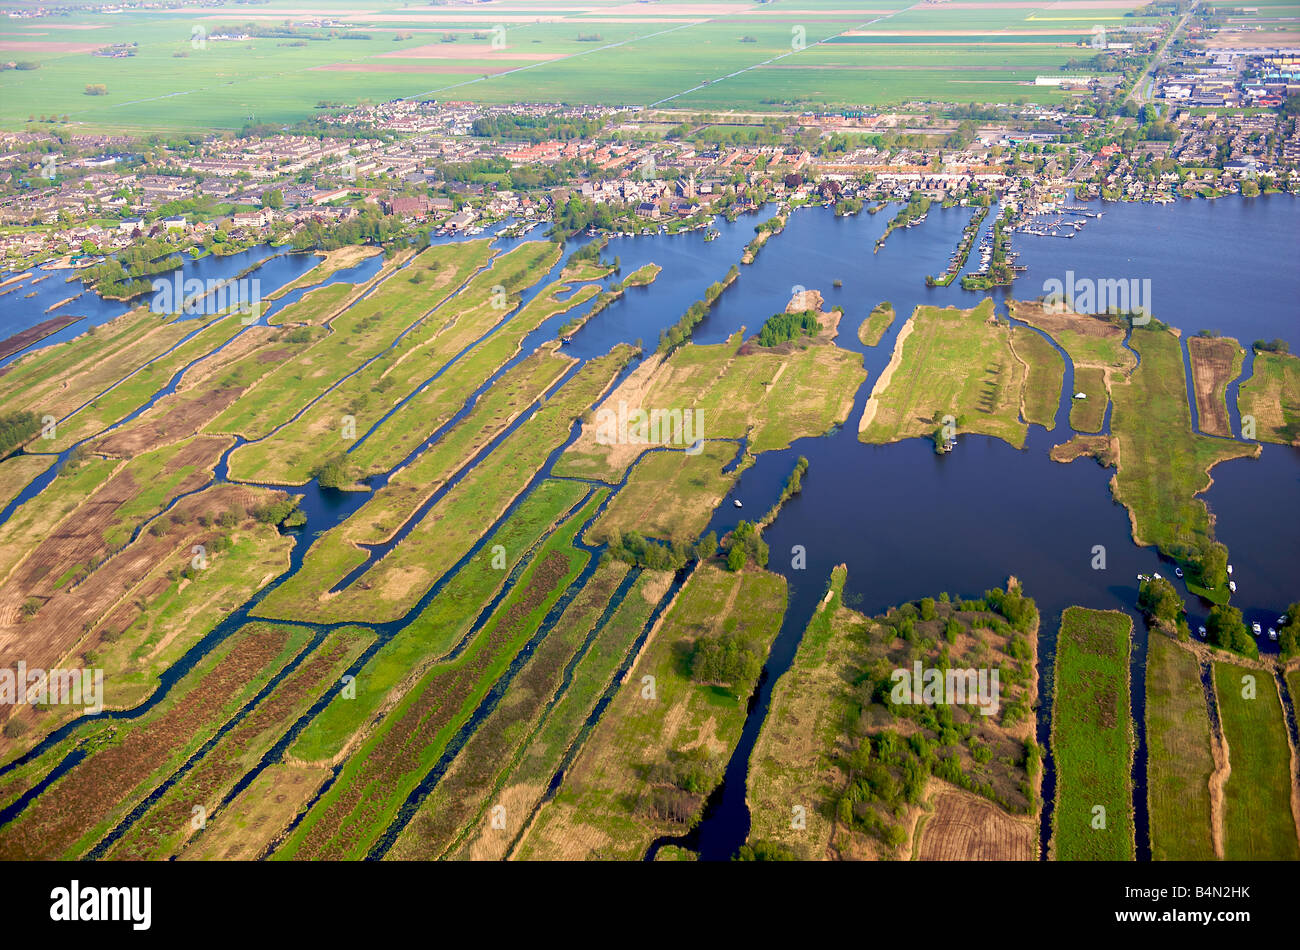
(603, 800)
(130, 758)
(391, 586)
(1179, 761)
(18, 471)
(955, 363)
(1272, 397)
(171, 86)
(137, 388)
(1092, 738)
(290, 454)
(158, 480)
(563, 730)
(1046, 374)
(360, 332)
(410, 739)
(874, 326)
(442, 624)
(57, 379)
(164, 828)
(789, 764)
(461, 798)
(33, 520)
(187, 610)
(1163, 464)
(435, 403)
(670, 495)
(1089, 414)
(1258, 824)
(772, 398)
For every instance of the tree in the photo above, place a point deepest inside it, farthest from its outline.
(1159, 600)
(1226, 629)
(273, 198)
(736, 558)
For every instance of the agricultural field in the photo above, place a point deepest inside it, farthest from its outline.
(1180, 755)
(854, 763)
(1271, 397)
(1216, 362)
(1092, 738)
(1259, 797)
(661, 746)
(1163, 464)
(234, 66)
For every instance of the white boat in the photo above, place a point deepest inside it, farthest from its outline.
(1229, 568)
(1256, 629)
(1281, 621)
(1200, 632)
(737, 503)
(1232, 586)
(1272, 634)
(1178, 572)
(1157, 576)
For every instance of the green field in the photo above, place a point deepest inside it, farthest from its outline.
(1272, 397)
(1092, 738)
(182, 76)
(1258, 824)
(1163, 464)
(932, 379)
(1179, 761)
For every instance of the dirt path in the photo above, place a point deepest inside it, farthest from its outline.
(895, 361)
(1219, 777)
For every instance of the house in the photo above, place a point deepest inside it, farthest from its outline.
(408, 207)
(177, 223)
(648, 210)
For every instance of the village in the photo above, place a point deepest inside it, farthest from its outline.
(455, 166)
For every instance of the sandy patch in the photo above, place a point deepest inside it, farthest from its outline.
(48, 46)
(873, 402)
(458, 69)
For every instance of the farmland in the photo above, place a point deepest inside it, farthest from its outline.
(182, 65)
(1180, 760)
(1271, 396)
(1092, 739)
(1259, 797)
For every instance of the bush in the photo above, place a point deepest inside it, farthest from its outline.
(1227, 630)
(1159, 600)
(763, 850)
(15, 729)
(725, 659)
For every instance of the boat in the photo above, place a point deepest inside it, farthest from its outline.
(1281, 621)
(1200, 631)
(1232, 586)
(1229, 568)
(1272, 634)
(737, 503)
(1178, 572)
(1255, 628)
(1157, 576)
